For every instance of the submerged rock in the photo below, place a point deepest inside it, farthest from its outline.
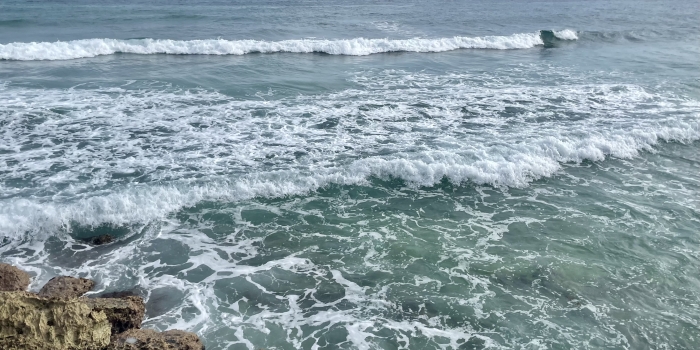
(66, 287)
(100, 240)
(119, 294)
(122, 313)
(146, 339)
(13, 279)
(28, 321)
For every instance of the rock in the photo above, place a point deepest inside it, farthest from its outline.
(13, 279)
(146, 339)
(123, 313)
(100, 240)
(182, 340)
(66, 287)
(30, 322)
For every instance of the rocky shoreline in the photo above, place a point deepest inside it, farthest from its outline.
(60, 317)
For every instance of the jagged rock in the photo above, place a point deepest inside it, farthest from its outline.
(66, 287)
(123, 313)
(13, 279)
(30, 322)
(146, 339)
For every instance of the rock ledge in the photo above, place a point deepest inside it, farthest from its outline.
(28, 321)
(13, 279)
(58, 318)
(66, 287)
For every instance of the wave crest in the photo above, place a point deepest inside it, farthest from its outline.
(65, 50)
(517, 168)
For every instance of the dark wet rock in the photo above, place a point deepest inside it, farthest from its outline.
(66, 287)
(30, 322)
(88, 232)
(101, 239)
(146, 339)
(123, 313)
(13, 279)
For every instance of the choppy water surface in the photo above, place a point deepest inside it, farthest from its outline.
(301, 175)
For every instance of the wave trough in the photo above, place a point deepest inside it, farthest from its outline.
(74, 49)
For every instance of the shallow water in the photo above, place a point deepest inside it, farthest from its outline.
(363, 175)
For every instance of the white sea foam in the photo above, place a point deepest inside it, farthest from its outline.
(112, 155)
(65, 50)
(566, 34)
(510, 167)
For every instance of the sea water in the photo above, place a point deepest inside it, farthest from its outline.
(363, 174)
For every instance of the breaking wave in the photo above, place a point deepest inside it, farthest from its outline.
(66, 50)
(122, 156)
(517, 167)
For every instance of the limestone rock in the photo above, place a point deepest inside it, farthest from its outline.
(123, 313)
(146, 339)
(30, 322)
(13, 279)
(66, 287)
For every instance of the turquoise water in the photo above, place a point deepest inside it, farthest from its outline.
(363, 175)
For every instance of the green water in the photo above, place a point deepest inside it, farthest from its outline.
(363, 175)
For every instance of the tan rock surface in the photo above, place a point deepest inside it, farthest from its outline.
(30, 322)
(146, 339)
(13, 279)
(66, 287)
(123, 313)
(57, 318)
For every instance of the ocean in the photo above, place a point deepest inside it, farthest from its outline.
(363, 174)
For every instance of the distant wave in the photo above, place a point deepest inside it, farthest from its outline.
(66, 50)
(566, 34)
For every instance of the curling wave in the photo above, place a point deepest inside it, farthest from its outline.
(66, 50)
